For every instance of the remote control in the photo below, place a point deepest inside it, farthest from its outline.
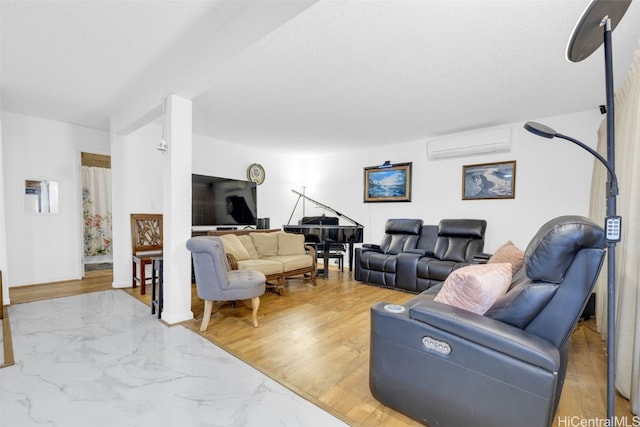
(613, 228)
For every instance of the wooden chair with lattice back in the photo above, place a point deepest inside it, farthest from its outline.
(146, 243)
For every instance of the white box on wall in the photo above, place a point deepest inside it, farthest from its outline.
(469, 144)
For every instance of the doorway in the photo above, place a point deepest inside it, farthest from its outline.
(96, 212)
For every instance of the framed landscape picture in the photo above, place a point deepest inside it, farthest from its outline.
(390, 183)
(489, 181)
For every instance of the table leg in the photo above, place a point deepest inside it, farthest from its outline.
(153, 287)
(160, 289)
(350, 257)
(325, 267)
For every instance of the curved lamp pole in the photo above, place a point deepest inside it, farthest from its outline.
(547, 132)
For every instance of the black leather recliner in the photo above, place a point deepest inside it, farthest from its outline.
(378, 263)
(445, 366)
(413, 256)
(441, 249)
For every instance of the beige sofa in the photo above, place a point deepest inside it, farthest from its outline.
(274, 253)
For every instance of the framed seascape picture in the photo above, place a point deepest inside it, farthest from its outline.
(489, 181)
(390, 183)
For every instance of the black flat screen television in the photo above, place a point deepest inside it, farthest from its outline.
(222, 201)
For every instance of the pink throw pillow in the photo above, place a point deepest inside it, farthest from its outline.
(509, 253)
(475, 287)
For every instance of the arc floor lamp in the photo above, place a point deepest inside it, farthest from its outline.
(592, 30)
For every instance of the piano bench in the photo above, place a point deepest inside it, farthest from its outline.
(333, 255)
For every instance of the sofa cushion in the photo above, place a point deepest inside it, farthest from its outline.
(233, 246)
(508, 253)
(435, 269)
(379, 262)
(290, 244)
(292, 262)
(264, 266)
(266, 243)
(475, 287)
(249, 246)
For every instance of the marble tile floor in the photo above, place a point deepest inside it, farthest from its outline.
(100, 359)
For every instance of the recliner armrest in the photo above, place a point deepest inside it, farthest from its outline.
(371, 246)
(420, 252)
(487, 332)
(481, 258)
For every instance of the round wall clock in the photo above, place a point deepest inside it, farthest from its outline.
(255, 173)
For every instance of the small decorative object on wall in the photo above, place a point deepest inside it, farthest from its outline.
(489, 181)
(255, 173)
(387, 183)
(41, 196)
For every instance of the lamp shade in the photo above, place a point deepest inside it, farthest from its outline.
(587, 34)
(540, 130)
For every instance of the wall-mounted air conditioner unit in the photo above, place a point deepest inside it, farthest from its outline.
(469, 144)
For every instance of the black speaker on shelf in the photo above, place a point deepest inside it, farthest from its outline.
(263, 223)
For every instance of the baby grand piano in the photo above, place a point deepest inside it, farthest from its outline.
(327, 232)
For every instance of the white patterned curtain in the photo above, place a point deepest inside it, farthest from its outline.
(627, 159)
(96, 210)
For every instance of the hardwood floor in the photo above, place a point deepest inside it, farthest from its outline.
(315, 341)
(93, 282)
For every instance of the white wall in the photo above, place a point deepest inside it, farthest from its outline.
(45, 248)
(3, 231)
(282, 173)
(136, 170)
(553, 178)
(137, 186)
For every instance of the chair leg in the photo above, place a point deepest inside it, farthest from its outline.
(143, 279)
(133, 274)
(255, 304)
(208, 306)
(313, 278)
(280, 285)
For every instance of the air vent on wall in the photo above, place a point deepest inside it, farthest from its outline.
(469, 144)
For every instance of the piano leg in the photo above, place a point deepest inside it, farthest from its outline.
(325, 261)
(350, 257)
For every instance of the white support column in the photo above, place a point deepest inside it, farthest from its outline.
(177, 210)
(3, 234)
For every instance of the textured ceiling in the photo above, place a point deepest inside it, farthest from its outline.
(305, 76)
(69, 60)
